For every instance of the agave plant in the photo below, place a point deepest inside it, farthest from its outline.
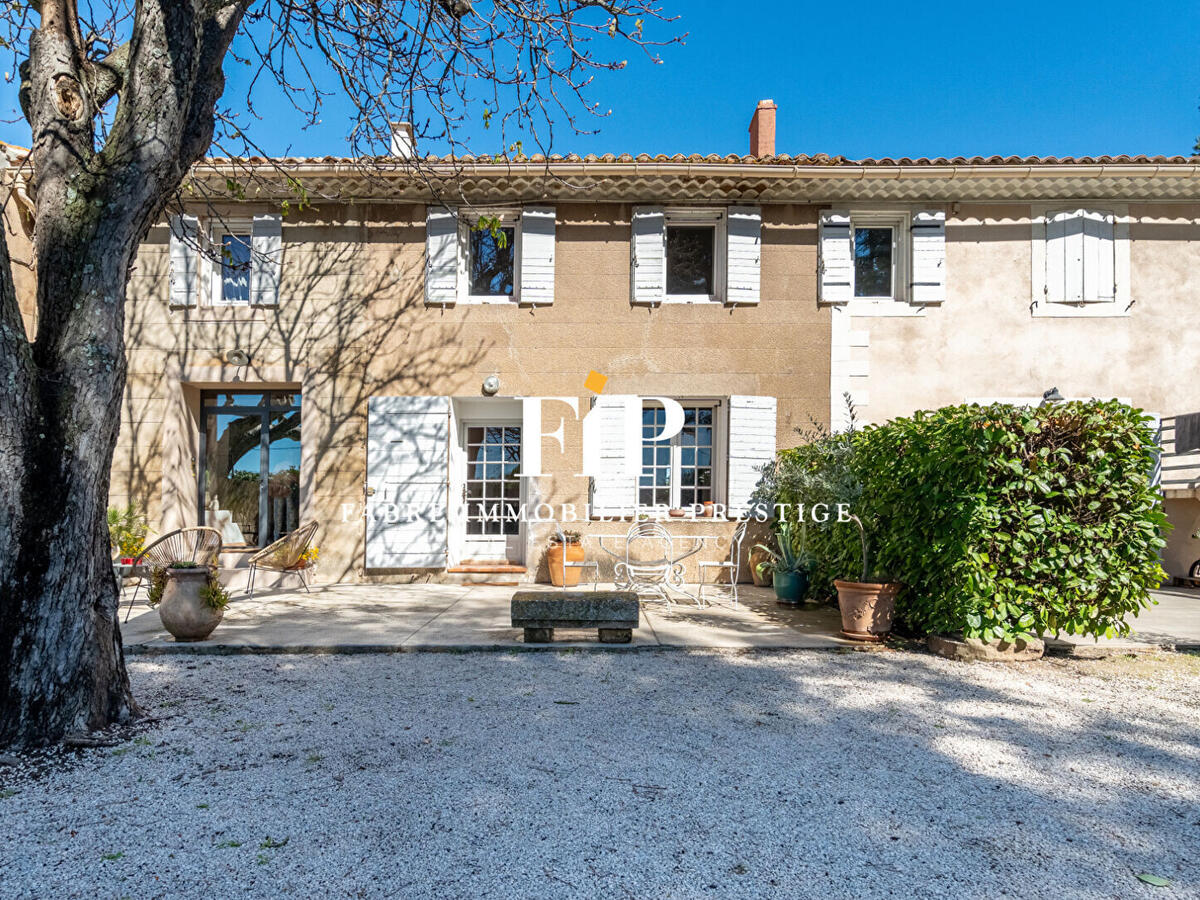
(787, 558)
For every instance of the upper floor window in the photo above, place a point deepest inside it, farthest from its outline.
(885, 262)
(693, 266)
(1080, 262)
(234, 243)
(688, 255)
(489, 256)
(874, 261)
(491, 253)
(227, 262)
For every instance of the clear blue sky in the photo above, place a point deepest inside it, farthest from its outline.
(883, 79)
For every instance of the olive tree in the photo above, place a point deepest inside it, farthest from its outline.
(123, 97)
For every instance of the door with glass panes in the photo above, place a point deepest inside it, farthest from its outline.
(492, 488)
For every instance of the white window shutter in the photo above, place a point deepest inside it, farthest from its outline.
(266, 250)
(1056, 257)
(441, 256)
(614, 492)
(648, 248)
(185, 260)
(836, 262)
(752, 428)
(928, 231)
(537, 255)
(1099, 252)
(743, 271)
(408, 482)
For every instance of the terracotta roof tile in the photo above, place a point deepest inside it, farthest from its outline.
(783, 159)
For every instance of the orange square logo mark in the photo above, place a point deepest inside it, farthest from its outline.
(595, 382)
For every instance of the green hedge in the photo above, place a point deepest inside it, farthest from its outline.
(999, 521)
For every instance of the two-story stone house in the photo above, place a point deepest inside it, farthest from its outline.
(371, 351)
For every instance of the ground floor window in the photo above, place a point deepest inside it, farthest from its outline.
(679, 471)
(250, 464)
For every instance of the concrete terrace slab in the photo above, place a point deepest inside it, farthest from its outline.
(393, 618)
(1173, 623)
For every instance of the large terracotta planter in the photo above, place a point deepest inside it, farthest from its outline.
(554, 560)
(867, 609)
(759, 556)
(183, 613)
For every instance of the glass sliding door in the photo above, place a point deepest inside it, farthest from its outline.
(250, 465)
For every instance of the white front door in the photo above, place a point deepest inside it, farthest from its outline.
(492, 491)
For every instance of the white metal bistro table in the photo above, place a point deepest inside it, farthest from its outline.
(653, 576)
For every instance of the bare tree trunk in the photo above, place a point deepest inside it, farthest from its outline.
(61, 662)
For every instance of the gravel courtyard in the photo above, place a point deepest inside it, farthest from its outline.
(652, 774)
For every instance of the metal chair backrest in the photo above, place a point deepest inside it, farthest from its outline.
(647, 542)
(735, 547)
(285, 553)
(197, 544)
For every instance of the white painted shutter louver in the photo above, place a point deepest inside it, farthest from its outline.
(649, 251)
(614, 493)
(185, 280)
(266, 250)
(537, 255)
(1080, 257)
(928, 231)
(744, 259)
(1099, 246)
(408, 482)
(752, 428)
(441, 256)
(836, 262)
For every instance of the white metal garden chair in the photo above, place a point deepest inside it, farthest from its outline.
(732, 565)
(648, 566)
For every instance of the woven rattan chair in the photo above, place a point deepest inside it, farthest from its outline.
(284, 555)
(198, 544)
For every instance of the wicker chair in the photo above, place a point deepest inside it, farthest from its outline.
(284, 555)
(198, 544)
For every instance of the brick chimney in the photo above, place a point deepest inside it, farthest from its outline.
(762, 129)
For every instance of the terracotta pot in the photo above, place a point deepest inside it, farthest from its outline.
(867, 609)
(756, 557)
(183, 613)
(554, 561)
(708, 509)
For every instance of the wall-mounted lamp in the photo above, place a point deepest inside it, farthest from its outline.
(491, 385)
(1051, 396)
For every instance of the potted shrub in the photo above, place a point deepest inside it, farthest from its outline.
(788, 566)
(191, 601)
(570, 545)
(127, 531)
(867, 605)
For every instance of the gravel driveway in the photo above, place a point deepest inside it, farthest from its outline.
(654, 774)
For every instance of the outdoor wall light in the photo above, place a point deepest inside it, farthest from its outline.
(1051, 396)
(237, 357)
(491, 385)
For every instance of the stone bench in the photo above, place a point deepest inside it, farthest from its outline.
(613, 613)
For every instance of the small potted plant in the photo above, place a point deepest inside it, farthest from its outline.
(191, 601)
(789, 567)
(127, 532)
(568, 545)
